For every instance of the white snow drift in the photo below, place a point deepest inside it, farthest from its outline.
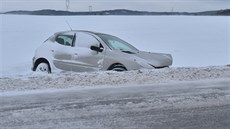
(109, 78)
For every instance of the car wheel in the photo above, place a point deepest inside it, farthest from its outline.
(43, 67)
(118, 67)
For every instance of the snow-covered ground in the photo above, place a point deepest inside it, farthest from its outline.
(192, 40)
(193, 93)
(64, 80)
(196, 43)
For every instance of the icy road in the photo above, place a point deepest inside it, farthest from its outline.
(193, 104)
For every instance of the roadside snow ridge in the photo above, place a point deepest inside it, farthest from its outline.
(34, 80)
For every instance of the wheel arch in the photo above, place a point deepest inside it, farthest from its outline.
(41, 60)
(116, 65)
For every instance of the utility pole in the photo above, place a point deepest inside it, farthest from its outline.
(172, 10)
(90, 8)
(67, 3)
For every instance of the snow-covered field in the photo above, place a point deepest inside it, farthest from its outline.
(193, 41)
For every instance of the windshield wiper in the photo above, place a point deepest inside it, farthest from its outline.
(129, 52)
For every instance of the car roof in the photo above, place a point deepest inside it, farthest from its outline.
(86, 31)
(77, 31)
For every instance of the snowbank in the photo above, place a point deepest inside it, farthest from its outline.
(35, 80)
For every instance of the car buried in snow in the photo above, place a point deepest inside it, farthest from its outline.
(82, 51)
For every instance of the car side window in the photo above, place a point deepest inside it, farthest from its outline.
(86, 40)
(65, 39)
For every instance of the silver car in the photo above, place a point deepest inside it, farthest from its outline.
(82, 51)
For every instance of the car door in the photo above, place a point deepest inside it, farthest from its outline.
(86, 59)
(64, 51)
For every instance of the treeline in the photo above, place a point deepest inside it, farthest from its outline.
(225, 12)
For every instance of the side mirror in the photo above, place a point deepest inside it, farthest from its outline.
(97, 49)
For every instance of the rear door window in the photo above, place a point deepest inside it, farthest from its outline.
(65, 39)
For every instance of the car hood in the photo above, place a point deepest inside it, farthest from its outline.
(155, 59)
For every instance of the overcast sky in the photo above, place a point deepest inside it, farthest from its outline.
(143, 5)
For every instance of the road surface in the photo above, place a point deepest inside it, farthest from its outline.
(179, 105)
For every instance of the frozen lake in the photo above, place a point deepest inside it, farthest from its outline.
(192, 40)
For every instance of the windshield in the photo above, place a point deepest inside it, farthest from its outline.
(117, 44)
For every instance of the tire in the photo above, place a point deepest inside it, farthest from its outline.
(43, 67)
(118, 68)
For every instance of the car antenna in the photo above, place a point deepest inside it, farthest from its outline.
(68, 25)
